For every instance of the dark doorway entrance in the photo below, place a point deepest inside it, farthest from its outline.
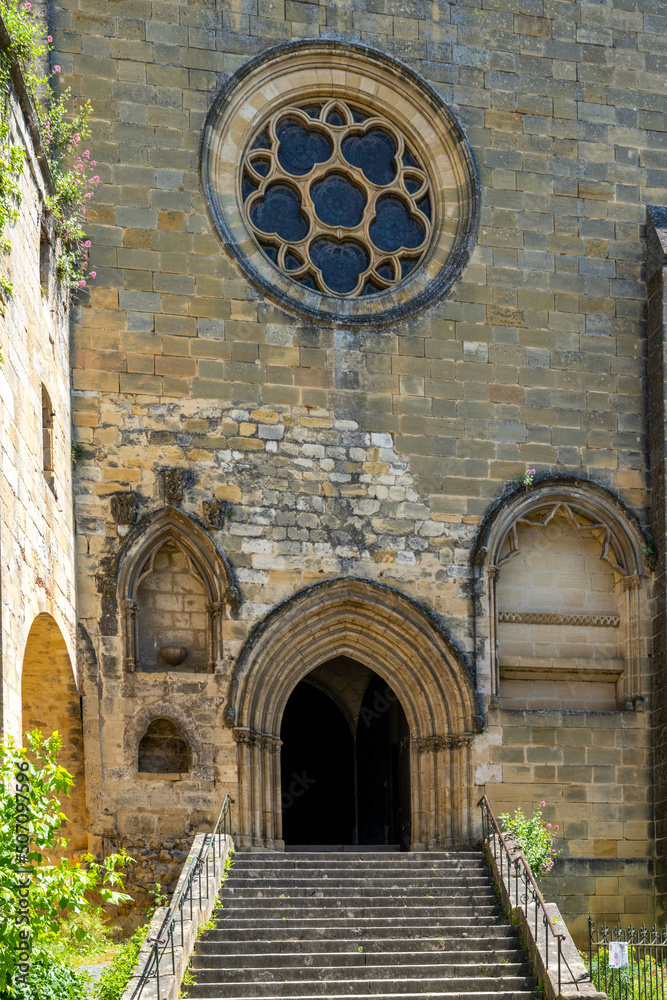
(317, 770)
(345, 761)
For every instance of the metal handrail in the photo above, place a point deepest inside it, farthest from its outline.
(164, 940)
(529, 885)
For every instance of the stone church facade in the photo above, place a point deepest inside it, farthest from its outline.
(359, 265)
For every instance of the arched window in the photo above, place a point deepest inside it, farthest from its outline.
(163, 749)
(176, 587)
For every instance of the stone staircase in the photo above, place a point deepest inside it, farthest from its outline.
(327, 925)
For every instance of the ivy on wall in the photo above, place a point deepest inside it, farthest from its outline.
(62, 137)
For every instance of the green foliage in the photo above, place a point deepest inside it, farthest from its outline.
(31, 784)
(52, 980)
(643, 979)
(95, 944)
(525, 479)
(62, 139)
(77, 451)
(116, 976)
(535, 838)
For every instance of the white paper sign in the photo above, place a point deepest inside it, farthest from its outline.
(618, 955)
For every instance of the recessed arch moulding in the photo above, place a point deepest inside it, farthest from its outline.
(206, 564)
(591, 513)
(389, 634)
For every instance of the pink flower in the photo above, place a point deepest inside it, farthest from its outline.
(542, 804)
(86, 153)
(556, 826)
(96, 179)
(88, 194)
(87, 243)
(93, 274)
(76, 137)
(28, 6)
(92, 163)
(532, 472)
(49, 38)
(548, 826)
(56, 69)
(82, 283)
(83, 211)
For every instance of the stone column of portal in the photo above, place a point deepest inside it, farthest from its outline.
(267, 828)
(242, 740)
(274, 756)
(256, 779)
(656, 236)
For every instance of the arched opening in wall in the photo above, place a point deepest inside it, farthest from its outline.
(172, 612)
(50, 702)
(345, 761)
(163, 749)
(559, 622)
(47, 438)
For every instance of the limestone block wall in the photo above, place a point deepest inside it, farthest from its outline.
(36, 520)
(345, 451)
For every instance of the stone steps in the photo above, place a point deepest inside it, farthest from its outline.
(327, 925)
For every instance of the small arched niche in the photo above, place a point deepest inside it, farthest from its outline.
(175, 588)
(163, 749)
(171, 610)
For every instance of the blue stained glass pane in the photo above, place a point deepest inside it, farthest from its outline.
(407, 266)
(340, 263)
(386, 271)
(280, 212)
(292, 262)
(247, 186)
(370, 288)
(373, 153)
(337, 201)
(335, 118)
(392, 227)
(412, 185)
(409, 160)
(308, 281)
(262, 167)
(313, 111)
(300, 147)
(261, 142)
(358, 117)
(270, 251)
(425, 206)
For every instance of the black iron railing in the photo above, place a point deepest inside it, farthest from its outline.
(517, 869)
(195, 888)
(644, 977)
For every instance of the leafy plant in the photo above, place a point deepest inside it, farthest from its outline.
(111, 984)
(77, 451)
(37, 892)
(643, 979)
(525, 479)
(72, 170)
(535, 838)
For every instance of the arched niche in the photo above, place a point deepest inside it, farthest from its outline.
(175, 587)
(163, 749)
(50, 702)
(558, 572)
(390, 635)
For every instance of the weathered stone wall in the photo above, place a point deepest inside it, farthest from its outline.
(36, 521)
(373, 452)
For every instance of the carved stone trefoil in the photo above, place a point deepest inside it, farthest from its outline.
(124, 508)
(215, 513)
(175, 482)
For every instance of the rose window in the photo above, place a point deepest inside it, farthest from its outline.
(336, 198)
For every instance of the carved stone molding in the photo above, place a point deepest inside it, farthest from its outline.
(631, 582)
(175, 482)
(433, 744)
(124, 508)
(215, 513)
(540, 618)
(252, 738)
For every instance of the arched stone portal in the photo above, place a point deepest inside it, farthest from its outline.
(393, 637)
(50, 702)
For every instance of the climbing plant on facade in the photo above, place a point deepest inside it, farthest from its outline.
(62, 138)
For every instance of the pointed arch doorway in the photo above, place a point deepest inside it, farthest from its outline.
(390, 636)
(345, 761)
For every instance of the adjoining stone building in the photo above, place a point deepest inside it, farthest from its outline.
(358, 266)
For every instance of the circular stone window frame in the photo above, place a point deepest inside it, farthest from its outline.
(294, 74)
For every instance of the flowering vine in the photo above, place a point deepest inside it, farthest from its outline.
(525, 478)
(63, 139)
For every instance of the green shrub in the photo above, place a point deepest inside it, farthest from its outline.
(643, 979)
(51, 980)
(116, 976)
(535, 838)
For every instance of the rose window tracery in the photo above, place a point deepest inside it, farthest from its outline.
(336, 198)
